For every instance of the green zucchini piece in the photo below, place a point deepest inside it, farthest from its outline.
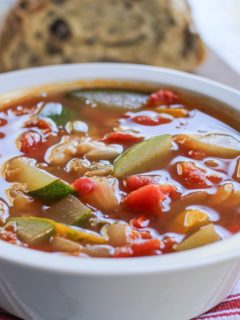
(32, 230)
(52, 192)
(58, 113)
(144, 156)
(39, 184)
(69, 210)
(114, 99)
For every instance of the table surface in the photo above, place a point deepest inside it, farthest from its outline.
(215, 68)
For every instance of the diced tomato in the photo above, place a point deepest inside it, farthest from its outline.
(136, 182)
(38, 123)
(145, 234)
(197, 155)
(151, 121)
(215, 179)
(170, 190)
(22, 110)
(234, 228)
(146, 199)
(140, 222)
(29, 141)
(162, 97)
(126, 115)
(123, 252)
(3, 122)
(84, 186)
(145, 247)
(192, 176)
(168, 244)
(122, 138)
(8, 234)
(140, 248)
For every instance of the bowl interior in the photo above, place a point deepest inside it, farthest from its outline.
(35, 81)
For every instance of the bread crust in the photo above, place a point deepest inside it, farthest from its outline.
(156, 32)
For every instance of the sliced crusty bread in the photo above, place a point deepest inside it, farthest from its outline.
(156, 32)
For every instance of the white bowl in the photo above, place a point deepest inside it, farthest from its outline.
(36, 285)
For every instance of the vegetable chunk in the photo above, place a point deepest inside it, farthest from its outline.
(113, 99)
(215, 144)
(205, 235)
(69, 210)
(31, 230)
(143, 156)
(38, 183)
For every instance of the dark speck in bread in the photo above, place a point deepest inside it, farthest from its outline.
(34, 59)
(58, 1)
(52, 49)
(128, 4)
(60, 29)
(50, 13)
(189, 41)
(90, 41)
(23, 4)
(38, 35)
(67, 60)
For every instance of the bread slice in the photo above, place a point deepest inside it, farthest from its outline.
(156, 32)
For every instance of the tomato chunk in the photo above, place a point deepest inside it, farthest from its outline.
(193, 176)
(136, 182)
(148, 199)
(29, 141)
(162, 97)
(38, 123)
(140, 222)
(84, 186)
(151, 121)
(145, 247)
(122, 138)
(169, 244)
(140, 248)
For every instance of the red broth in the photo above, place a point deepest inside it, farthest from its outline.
(114, 173)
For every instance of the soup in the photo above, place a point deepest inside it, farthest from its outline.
(116, 172)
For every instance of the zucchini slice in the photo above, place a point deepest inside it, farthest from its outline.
(113, 99)
(32, 230)
(38, 231)
(39, 184)
(69, 210)
(143, 156)
(55, 111)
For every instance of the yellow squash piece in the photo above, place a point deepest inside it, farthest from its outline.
(175, 112)
(188, 220)
(78, 234)
(204, 236)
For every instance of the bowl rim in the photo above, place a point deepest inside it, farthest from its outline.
(226, 250)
